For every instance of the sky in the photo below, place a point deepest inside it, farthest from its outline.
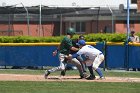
(63, 3)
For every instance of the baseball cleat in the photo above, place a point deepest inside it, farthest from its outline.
(63, 73)
(101, 78)
(84, 76)
(46, 74)
(91, 78)
(81, 77)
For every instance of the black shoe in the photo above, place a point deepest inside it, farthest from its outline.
(63, 73)
(46, 74)
(138, 69)
(82, 77)
(91, 77)
(134, 69)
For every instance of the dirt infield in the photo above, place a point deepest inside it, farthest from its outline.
(25, 77)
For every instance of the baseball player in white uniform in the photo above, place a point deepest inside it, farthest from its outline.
(94, 58)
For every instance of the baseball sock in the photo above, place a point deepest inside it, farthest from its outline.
(98, 70)
(91, 71)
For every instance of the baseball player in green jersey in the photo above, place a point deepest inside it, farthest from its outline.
(64, 50)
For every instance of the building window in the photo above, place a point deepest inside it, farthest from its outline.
(134, 1)
(79, 26)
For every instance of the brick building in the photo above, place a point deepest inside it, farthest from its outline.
(53, 21)
(138, 4)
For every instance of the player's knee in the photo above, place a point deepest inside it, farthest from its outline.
(63, 68)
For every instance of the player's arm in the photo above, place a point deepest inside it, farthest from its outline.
(72, 56)
(74, 48)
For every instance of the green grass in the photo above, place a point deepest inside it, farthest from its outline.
(71, 72)
(122, 74)
(67, 86)
(21, 71)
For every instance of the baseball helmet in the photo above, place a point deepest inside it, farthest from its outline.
(81, 42)
(71, 31)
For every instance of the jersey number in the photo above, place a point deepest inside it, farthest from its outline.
(91, 47)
